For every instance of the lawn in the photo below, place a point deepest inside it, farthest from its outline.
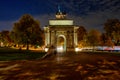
(7, 54)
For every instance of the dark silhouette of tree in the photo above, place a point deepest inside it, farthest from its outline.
(103, 39)
(109, 42)
(93, 38)
(5, 38)
(112, 28)
(81, 33)
(27, 31)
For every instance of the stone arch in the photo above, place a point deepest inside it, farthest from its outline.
(61, 47)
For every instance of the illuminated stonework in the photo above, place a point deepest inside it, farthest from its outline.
(60, 22)
(61, 34)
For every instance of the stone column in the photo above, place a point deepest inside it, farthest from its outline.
(71, 39)
(53, 38)
(46, 38)
(75, 36)
(50, 37)
(68, 39)
(46, 29)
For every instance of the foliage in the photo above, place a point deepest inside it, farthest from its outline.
(82, 43)
(27, 31)
(109, 26)
(109, 42)
(103, 39)
(93, 38)
(116, 37)
(5, 38)
(81, 33)
(112, 28)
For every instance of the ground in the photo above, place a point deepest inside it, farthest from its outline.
(69, 66)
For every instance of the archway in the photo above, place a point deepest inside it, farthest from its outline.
(61, 43)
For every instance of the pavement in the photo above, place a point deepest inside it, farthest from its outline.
(63, 66)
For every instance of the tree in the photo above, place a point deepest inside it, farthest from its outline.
(5, 38)
(112, 28)
(103, 39)
(82, 43)
(81, 33)
(109, 42)
(93, 38)
(27, 31)
(116, 37)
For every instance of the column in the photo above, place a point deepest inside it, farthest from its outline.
(75, 36)
(72, 38)
(52, 38)
(48, 37)
(46, 42)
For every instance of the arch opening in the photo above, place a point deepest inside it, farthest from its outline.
(61, 43)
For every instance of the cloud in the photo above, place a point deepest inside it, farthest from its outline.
(94, 16)
(96, 20)
(92, 20)
(85, 6)
(89, 13)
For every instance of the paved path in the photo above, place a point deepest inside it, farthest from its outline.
(69, 66)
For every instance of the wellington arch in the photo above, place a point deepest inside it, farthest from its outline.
(61, 33)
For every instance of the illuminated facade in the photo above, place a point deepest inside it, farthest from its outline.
(61, 33)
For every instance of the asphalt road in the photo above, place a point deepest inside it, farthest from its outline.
(68, 66)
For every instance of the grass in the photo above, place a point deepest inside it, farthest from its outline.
(8, 54)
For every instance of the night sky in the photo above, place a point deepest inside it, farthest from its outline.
(88, 13)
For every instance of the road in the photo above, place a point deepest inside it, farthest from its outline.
(68, 66)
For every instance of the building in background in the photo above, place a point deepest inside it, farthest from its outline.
(61, 33)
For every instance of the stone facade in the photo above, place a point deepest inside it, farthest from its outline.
(61, 28)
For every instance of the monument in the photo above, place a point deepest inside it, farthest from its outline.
(61, 33)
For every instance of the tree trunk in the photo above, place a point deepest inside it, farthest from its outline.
(27, 48)
(93, 47)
